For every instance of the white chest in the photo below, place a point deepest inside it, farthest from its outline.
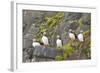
(34, 44)
(59, 43)
(72, 36)
(80, 37)
(45, 40)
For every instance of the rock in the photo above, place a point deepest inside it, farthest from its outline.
(86, 18)
(49, 53)
(69, 21)
(72, 16)
(28, 54)
(27, 43)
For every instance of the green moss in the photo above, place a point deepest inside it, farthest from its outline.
(68, 50)
(87, 33)
(65, 56)
(58, 58)
(87, 53)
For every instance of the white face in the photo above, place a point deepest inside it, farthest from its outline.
(33, 24)
(81, 31)
(34, 40)
(44, 33)
(70, 30)
(58, 36)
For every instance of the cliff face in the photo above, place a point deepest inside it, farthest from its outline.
(55, 23)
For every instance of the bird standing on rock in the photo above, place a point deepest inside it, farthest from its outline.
(59, 41)
(45, 39)
(35, 43)
(80, 36)
(72, 35)
(81, 39)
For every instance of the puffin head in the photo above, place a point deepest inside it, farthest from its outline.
(58, 37)
(33, 24)
(44, 33)
(70, 30)
(81, 31)
(34, 40)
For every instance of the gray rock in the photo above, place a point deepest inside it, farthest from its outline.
(27, 43)
(37, 17)
(72, 15)
(46, 52)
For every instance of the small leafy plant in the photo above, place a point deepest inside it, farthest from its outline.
(67, 51)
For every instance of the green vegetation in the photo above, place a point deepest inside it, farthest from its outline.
(81, 48)
(59, 58)
(49, 25)
(56, 23)
(67, 51)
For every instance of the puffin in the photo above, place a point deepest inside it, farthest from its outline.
(72, 35)
(33, 24)
(35, 43)
(80, 36)
(58, 41)
(45, 39)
